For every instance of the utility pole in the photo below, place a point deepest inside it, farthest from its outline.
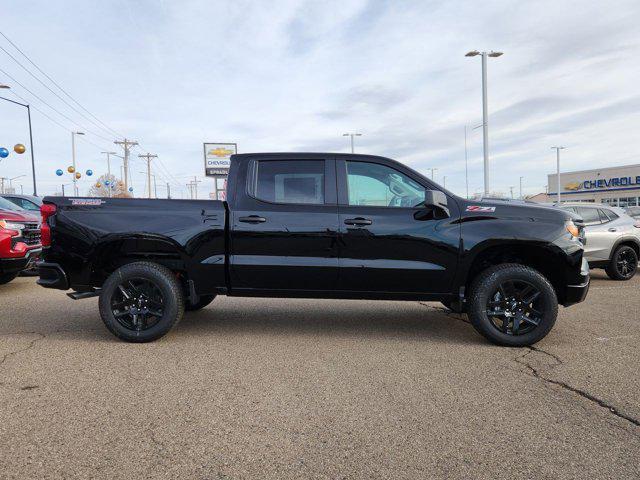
(511, 188)
(444, 181)
(521, 197)
(168, 190)
(2, 179)
(190, 187)
(466, 163)
(126, 145)
(432, 170)
(148, 156)
(195, 186)
(352, 135)
(485, 111)
(557, 149)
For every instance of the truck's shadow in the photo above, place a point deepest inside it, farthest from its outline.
(333, 318)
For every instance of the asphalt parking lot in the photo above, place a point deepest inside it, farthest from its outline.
(261, 388)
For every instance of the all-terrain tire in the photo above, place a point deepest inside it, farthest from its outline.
(617, 270)
(488, 282)
(166, 283)
(202, 302)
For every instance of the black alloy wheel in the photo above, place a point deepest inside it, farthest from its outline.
(623, 264)
(512, 305)
(137, 304)
(514, 308)
(141, 301)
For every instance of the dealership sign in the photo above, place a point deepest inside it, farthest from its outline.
(217, 158)
(603, 183)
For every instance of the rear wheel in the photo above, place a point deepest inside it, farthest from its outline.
(623, 264)
(202, 302)
(141, 302)
(7, 277)
(512, 305)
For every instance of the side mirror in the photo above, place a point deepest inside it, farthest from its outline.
(437, 200)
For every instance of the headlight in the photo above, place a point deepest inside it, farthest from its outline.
(11, 226)
(572, 229)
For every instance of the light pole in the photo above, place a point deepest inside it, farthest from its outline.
(33, 163)
(557, 149)
(485, 111)
(352, 135)
(432, 172)
(109, 168)
(444, 181)
(73, 161)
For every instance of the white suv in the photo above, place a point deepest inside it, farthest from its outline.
(612, 238)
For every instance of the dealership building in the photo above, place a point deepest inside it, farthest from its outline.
(618, 186)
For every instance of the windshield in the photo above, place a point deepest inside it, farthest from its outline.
(7, 205)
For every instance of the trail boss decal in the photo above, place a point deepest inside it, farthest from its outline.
(481, 209)
(87, 201)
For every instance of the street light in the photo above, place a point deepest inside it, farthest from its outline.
(73, 158)
(352, 135)
(33, 164)
(485, 111)
(521, 188)
(557, 149)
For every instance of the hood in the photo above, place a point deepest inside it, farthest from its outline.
(18, 216)
(500, 209)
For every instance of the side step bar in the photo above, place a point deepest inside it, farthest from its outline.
(83, 295)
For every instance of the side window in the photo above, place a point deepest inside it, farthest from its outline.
(589, 215)
(27, 205)
(288, 181)
(377, 185)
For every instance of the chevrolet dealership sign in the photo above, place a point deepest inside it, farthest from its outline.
(217, 158)
(625, 177)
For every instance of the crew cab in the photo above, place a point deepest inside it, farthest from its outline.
(19, 240)
(316, 225)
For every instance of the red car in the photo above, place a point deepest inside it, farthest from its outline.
(20, 245)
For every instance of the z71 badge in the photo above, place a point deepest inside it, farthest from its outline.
(480, 208)
(87, 201)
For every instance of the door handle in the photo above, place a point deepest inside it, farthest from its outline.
(612, 229)
(360, 222)
(252, 219)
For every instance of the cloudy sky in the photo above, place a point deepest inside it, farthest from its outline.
(295, 75)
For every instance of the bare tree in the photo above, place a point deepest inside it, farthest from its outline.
(101, 189)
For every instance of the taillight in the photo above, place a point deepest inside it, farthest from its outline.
(46, 210)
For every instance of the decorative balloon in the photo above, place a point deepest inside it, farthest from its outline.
(4, 153)
(98, 185)
(89, 173)
(78, 175)
(71, 169)
(59, 172)
(131, 189)
(107, 182)
(19, 148)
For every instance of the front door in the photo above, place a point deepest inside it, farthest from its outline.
(389, 241)
(284, 226)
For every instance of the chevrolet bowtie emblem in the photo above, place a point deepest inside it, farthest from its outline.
(220, 152)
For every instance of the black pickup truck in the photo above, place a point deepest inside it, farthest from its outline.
(316, 225)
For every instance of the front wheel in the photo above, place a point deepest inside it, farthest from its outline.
(623, 264)
(512, 305)
(141, 302)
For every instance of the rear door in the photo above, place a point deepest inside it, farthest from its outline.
(389, 241)
(284, 225)
(600, 231)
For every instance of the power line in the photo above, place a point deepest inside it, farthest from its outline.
(57, 85)
(54, 92)
(54, 109)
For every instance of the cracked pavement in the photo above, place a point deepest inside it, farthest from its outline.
(262, 388)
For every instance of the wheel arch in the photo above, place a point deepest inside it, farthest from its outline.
(113, 253)
(632, 242)
(546, 258)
